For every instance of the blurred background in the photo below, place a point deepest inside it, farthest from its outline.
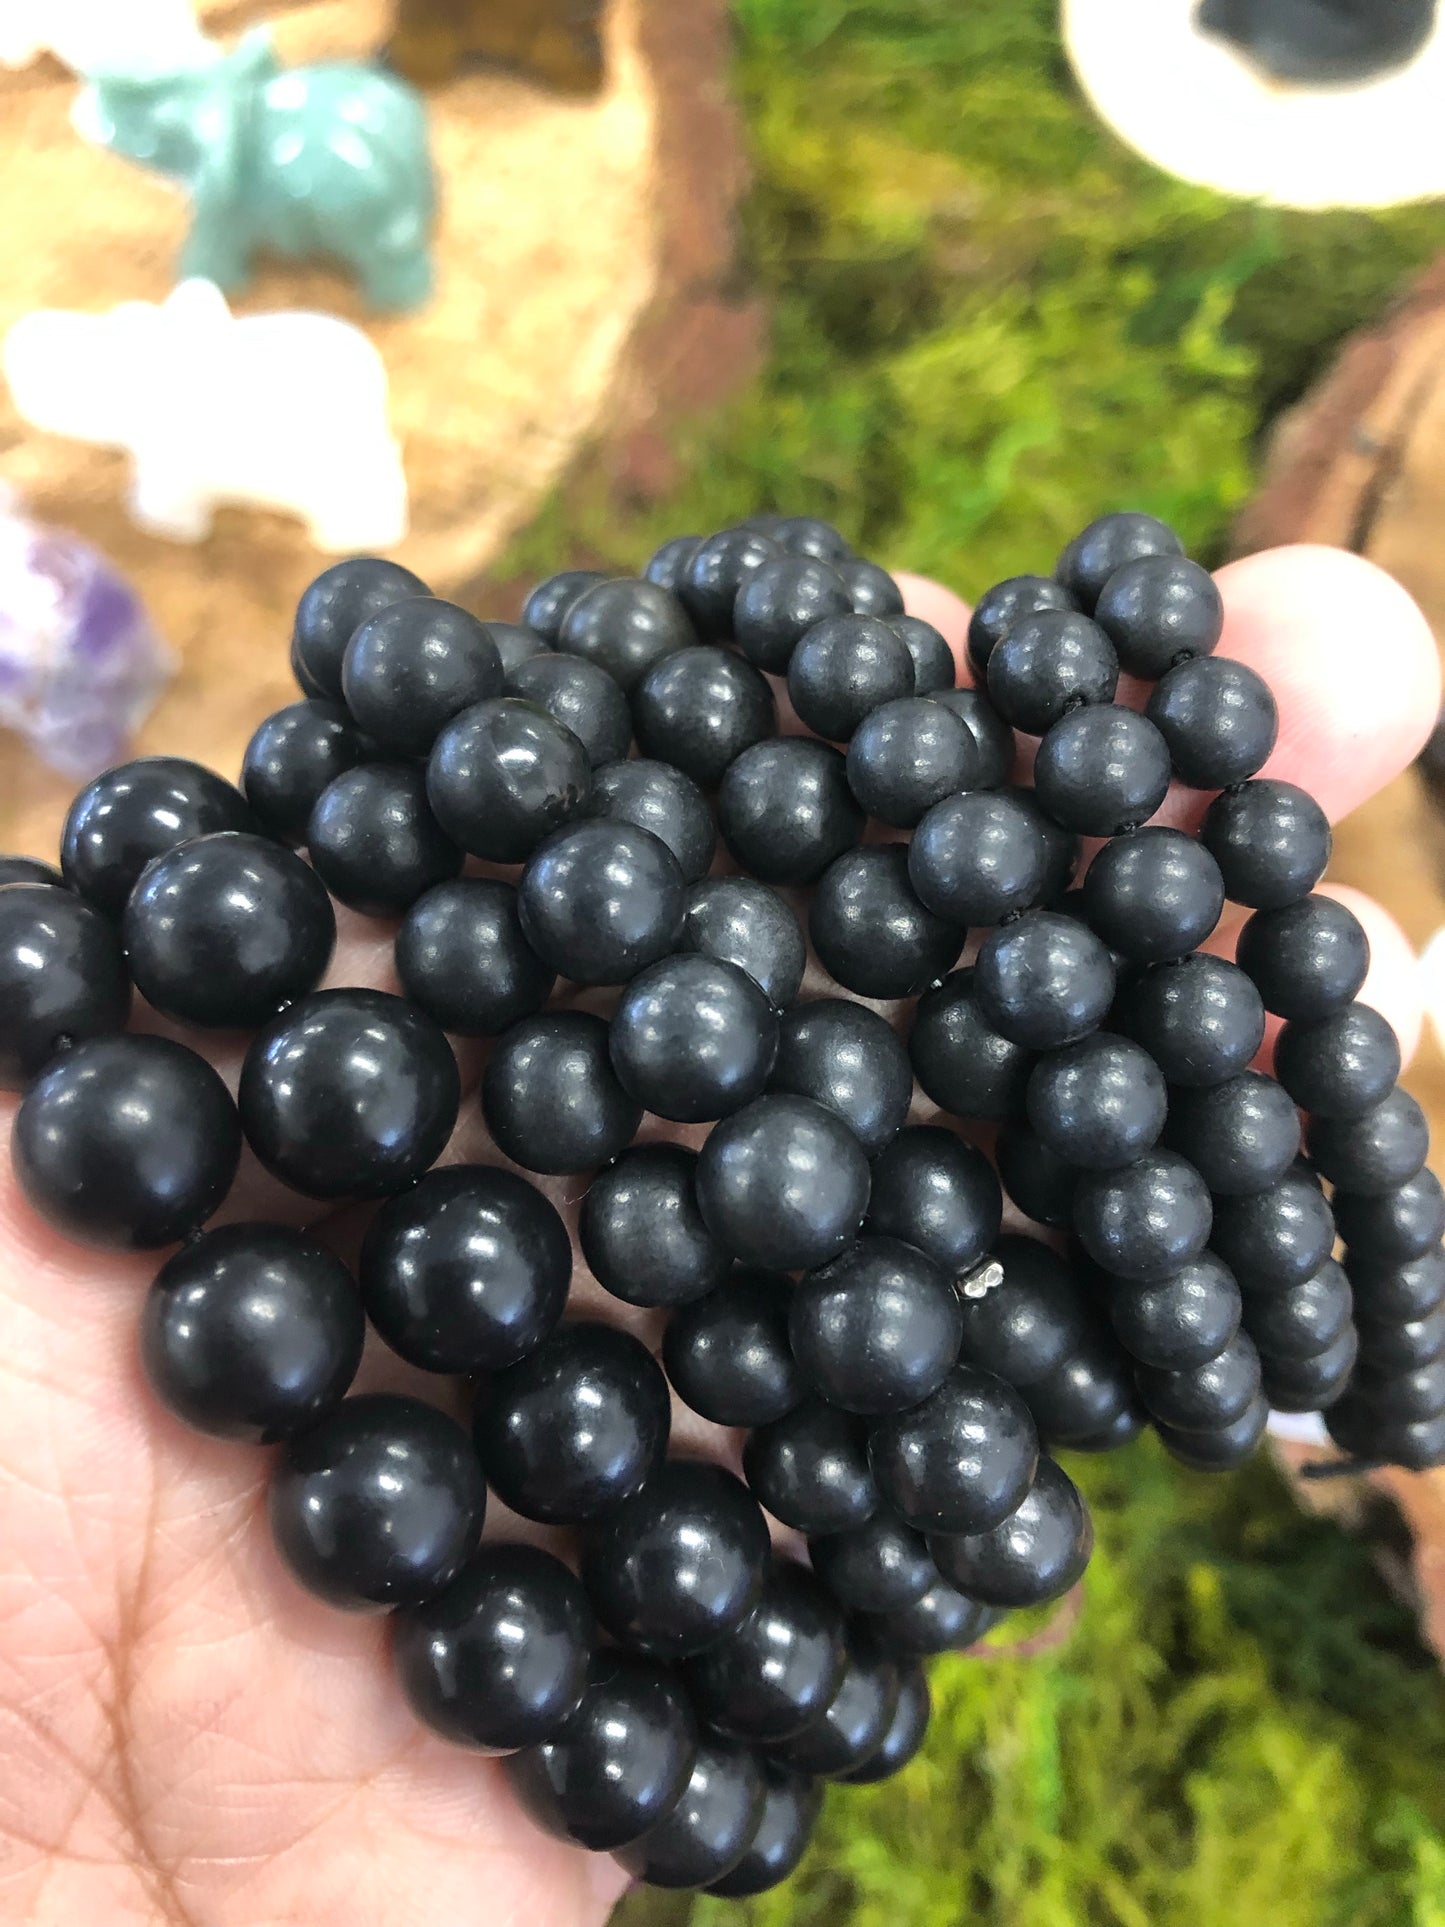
(957, 275)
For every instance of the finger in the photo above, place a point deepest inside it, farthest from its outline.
(948, 613)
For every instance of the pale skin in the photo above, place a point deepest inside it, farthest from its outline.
(185, 1737)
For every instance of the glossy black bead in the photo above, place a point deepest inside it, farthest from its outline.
(693, 1039)
(1270, 840)
(962, 1062)
(1039, 1181)
(699, 709)
(1389, 1345)
(785, 809)
(1122, 1429)
(907, 755)
(1305, 1320)
(1181, 1321)
(1366, 1433)
(940, 1620)
(934, 668)
(625, 627)
(1087, 1402)
(467, 1271)
(135, 812)
(498, 1660)
(934, 1190)
(29, 869)
(1001, 608)
(579, 696)
(979, 858)
(1099, 1103)
(780, 602)
(551, 1098)
(810, 1468)
(1397, 1226)
(62, 977)
(379, 1503)
(1339, 1065)
(1024, 1327)
(600, 900)
(1158, 608)
(574, 1428)
(503, 776)
(843, 669)
(1046, 664)
(413, 666)
(729, 1356)
(226, 929)
(621, 1762)
(667, 565)
(1108, 544)
(992, 736)
(878, 1328)
(1146, 1221)
(1153, 896)
(1241, 1136)
(717, 574)
(642, 1233)
(1308, 959)
(846, 1058)
(333, 608)
(1395, 1289)
(1277, 1238)
(292, 758)
(960, 1461)
(740, 921)
(1313, 1384)
(546, 608)
(252, 1331)
(711, 1827)
(1375, 1152)
(1036, 1554)
(658, 798)
(773, 1675)
(1223, 1448)
(126, 1141)
(809, 535)
(349, 1094)
(1209, 1397)
(1043, 980)
(790, 1807)
(374, 841)
(872, 590)
(1200, 1019)
(1401, 1392)
(1218, 718)
(516, 644)
(906, 1733)
(856, 1720)
(877, 1567)
(871, 932)
(462, 958)
(1101, 769)
(783, 1183)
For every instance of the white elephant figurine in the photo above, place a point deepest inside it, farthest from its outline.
(282, 411)
(99, 36)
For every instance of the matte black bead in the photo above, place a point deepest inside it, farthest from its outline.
(843, 669)
(642, 1233)
(349, 1094)
(1365, 1433)
(934, 1190)
(1040, 1182)
(1063, 851)
(856, 1720)
(625, 627)
(907, 755)
(1025, 1327)
(785, 809)
(1122, 1429)
(374, 842)
(574, 1428)
(1277, 1238)
(846, 1058)
(809, 535)
(940, 1620)
(876, 1567)
(1223, 1448)
(780, 601)
(499, 1660)
(711, 1827)
(934, 668)
(870, 931)
(126, 1141)
(1390, 1289)
(810, 1468)
(991, 734)
(790, 1807)
(1153, 896)
(600, 900)
(1200, 1019)
(1270, 840)
(873, 590)
(782, 1183)
(1099, 1103)
(503, 776)
(252, 1332)
(379, 1503)
(551, 1098)
(1178, 1322)
(960, 1461)
(962, 1062)
(1036, 1554)
(333, 608)
(412, 667)
(693, 1039)
(773, 1675)
(1375, 1152)
(979, 858)
(467, 1271)
(621, 1762)
(62, 977)
(1158, 608)
(740, 921)
(1001, 608)
(1306, 1320)
(1043, 980)
(462, 958)
(1087, 1402)
(668, 565)
(516, 644)
(581, 697)
(1312, 1384)
(1047, 663)
(1209, 1397)
(658, 798)
(1218, 718)
(877, 1329)
(1415, 1393)
(1308, 958)
(1146, 1221)
(29, 869)
(1241, 1136)
(1396, 1226)
(1101, 769)
(546, 608)
(291, 759)
(1392, 1345)
(1339, 1065)
(729, 1356)
(699, 709)
(1108, 544)
(717, 574)
(137, 811)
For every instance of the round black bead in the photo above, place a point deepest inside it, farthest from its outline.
(1340, 1065)
(1270, 840)
(1001, 609)
(379, 1503)
(291, 759)
(1087, 1402)
(844, 668)
(1200, 1019)
(349, 1094)
(1181, 1321)
(1416, 1444)
(29, 869)
(1158, 608)
(1101, 769)
(668, 565)
(551, 1098)
(846, 1058)
(790, 1807)
(782, 1182)
(773, 1675)
(579, 696)
(1153, 896)
(810, 1468)
(1305, 1320)
(1047, 663)
(1099, 1103)
(856, 1720)
(877, 1329)
(574, 1428)
(716, 575)
(547, 607)
(1026, 1326)
(333, 608)
(1375, 1152)
(467, 1271)
(62, 977)
(1395, 1289)
(711, 1827)
(739, 921)
(1312, 1384)
(1396, 1226)
(1108, 544)
(876, 1567)
(1307, 958)
(872, 590)
(497, 1661)
(1388, 1346)
(126, 1141)
(940, 1620)
(135, 812)
(600, 900)
(625, 627)
(729, 1356)
(934, 668)
(412, 667)
(1044, 980)
(1209, 1397)
(1276, 1238)
(374, 841)
(503, 776)
(658, 798)
(962, 1460)
(870, 931)
(1063, 850)
(693, 1039)
(1240, 1136)
(979, 858)
(778, 604)
(1223, 1448)
(1218, 718)
(1040, 1182)
(935, 1191)
(807, 535)
(1036, 1554)
(962, 1062)
(992, 737)
(252, 1332)
(907, 755)
(1122, 1429)
(516, 644)
(461, 956)
(785, 809)
(1146, 1221)
(699, 709)
(642, 1233)
(906, 1733)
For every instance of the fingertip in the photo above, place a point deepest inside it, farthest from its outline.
(948, 613)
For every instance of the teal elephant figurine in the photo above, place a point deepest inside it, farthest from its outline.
(330, 159)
